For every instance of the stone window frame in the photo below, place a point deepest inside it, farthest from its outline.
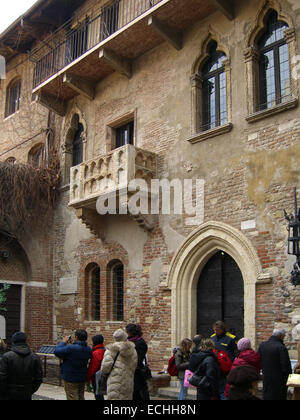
(112, 125)
(197, 134)
(251, 55)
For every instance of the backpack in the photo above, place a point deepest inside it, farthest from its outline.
(172, 369)
(224, 361)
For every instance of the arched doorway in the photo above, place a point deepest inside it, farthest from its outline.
(220, 295)
(188, 263)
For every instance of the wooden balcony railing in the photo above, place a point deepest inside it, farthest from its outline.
(69, 45)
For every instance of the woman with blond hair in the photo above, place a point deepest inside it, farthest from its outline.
(182, 359)
(205, 364)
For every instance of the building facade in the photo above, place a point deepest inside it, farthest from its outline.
(200, 95)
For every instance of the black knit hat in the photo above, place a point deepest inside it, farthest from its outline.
(242, 376)
(19, 337)
(97, 339)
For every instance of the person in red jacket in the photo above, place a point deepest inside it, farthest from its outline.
(246, 356)
(95, 362)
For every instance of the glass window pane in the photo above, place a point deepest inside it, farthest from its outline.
(267, 79)
(209, 103)
(223, 99)
(284, 67)
(274, 31)
(96, 294)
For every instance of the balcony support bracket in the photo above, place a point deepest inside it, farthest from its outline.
(119, 64)
(81, 86)
(225, 6)
(50, 102)
(145, 221)
(173, 36)
(92, 220)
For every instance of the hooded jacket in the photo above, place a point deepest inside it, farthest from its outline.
(121, 378)
(206, 364)
(95, 363)
(21, 373)
(75, 357)
(246, 357)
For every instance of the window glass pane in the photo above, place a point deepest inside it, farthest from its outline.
(78, 146)
(118, 293)
(13, 94)
(215, 61)
(124, 134)
(209, 103)
(274, 31)
(223, 99)
(267, 77)
(96, 294)
(284, 66)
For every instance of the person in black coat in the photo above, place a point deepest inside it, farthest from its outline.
(205, 363)
(140, 391)
(276, 366)
(21, 372)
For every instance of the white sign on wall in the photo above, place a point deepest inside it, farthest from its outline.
(67, 285)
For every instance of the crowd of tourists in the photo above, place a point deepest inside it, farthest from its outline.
(220, 367)
(223, 368)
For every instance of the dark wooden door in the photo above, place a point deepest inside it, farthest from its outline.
(220, 295)
(13, 313)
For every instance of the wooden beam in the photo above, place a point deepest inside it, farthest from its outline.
(81, 86)
(56, 105)
(226, 7)
(120, 64)
(171, 35)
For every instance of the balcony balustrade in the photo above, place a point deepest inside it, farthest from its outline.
(74, 59)
(110, 173)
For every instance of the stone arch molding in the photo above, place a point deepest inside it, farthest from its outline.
(188, 263)
(259, 24)
(211, 36)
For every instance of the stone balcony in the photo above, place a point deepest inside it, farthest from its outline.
(109, 175)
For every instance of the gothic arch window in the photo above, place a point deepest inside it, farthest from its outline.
(270, 46)
(11, 160)
(214, 103)
(115, 291)
(274, 65)
(36, 156)
(77, 152)
(210, 88)
(13, 96)
(74, 147)
(93, 292)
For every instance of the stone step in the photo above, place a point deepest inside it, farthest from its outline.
(171, 393)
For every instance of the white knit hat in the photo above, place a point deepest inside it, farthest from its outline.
(120, 335)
